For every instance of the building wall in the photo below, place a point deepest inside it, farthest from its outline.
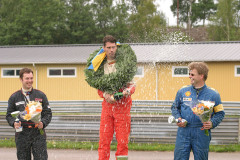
(60, 88)
(66, 88)
(9, 85)
(149, 87)
(169, 85)
(146, 85)
(221, 77)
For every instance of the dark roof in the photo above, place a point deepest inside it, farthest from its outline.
(146, 52)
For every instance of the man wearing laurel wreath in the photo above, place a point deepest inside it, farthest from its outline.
(190, 136)
(29, 140)
(117, 102)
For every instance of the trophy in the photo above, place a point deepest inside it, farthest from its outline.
(171, 120)
(15, 115)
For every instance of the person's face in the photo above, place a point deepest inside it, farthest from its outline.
(110, 49)
(27, 81)
(195, 78)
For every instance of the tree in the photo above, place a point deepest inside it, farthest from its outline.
(192, 12)
(134, 5)
(183, 10)
(237, 8)
(29, 22)
(223, 25)
(103, 16)
(146, 25)
(80, 22)
(111, 18)
(203, 10)
(120, 27)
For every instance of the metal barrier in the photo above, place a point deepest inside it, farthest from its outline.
(155, 107)
(144, 129)
(151, 127)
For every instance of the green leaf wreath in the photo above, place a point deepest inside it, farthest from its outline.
(126, 66)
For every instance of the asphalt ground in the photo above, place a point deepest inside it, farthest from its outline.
(60, 154)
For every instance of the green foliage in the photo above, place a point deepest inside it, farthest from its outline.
(183, 10)
(225, 148)
(103, 13)
(224, 25)
(81, 25)
(120, 28)
(203, 10)
(31, 22)
(40, 22)
(111, 19)
(7, 143)
(200, 11)
(146, 22)
(126, 62)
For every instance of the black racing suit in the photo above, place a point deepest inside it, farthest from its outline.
(30, 138)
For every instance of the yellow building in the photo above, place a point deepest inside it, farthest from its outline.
(162, 69)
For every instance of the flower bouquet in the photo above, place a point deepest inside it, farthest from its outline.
(203, 110)
(33, 112)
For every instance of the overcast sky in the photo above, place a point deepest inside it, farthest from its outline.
(164, 6)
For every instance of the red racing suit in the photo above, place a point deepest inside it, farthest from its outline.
(115, 117)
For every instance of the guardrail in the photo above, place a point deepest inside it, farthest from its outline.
(144, 129)
(156, 107)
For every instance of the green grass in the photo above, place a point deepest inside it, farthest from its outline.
(9, 143)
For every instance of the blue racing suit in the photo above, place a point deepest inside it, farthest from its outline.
(192, 137)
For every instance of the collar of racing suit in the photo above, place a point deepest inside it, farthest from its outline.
(199, 89)
(26, 92)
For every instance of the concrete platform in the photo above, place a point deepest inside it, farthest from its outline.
(59, 154)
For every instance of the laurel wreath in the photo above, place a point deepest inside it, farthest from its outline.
(126, 68)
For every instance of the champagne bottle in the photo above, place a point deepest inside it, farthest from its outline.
(117, 96)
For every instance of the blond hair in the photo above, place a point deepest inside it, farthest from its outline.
(201, 68)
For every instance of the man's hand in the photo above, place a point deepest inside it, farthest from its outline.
(40, 125)
(126, 92)
(109, 98)
(17, 124)
(181, 124)
(207, 125)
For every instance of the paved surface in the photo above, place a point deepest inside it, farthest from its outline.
(58, 154)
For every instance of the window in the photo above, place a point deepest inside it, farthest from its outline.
(237, 71)
(10, 72)
(61, 72)
(180, 71)
(140, 72)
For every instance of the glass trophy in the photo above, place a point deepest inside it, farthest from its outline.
(171, 120)
(15, 115)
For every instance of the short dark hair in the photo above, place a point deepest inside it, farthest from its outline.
(24, 70)
(109, 38)
(201, 68)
